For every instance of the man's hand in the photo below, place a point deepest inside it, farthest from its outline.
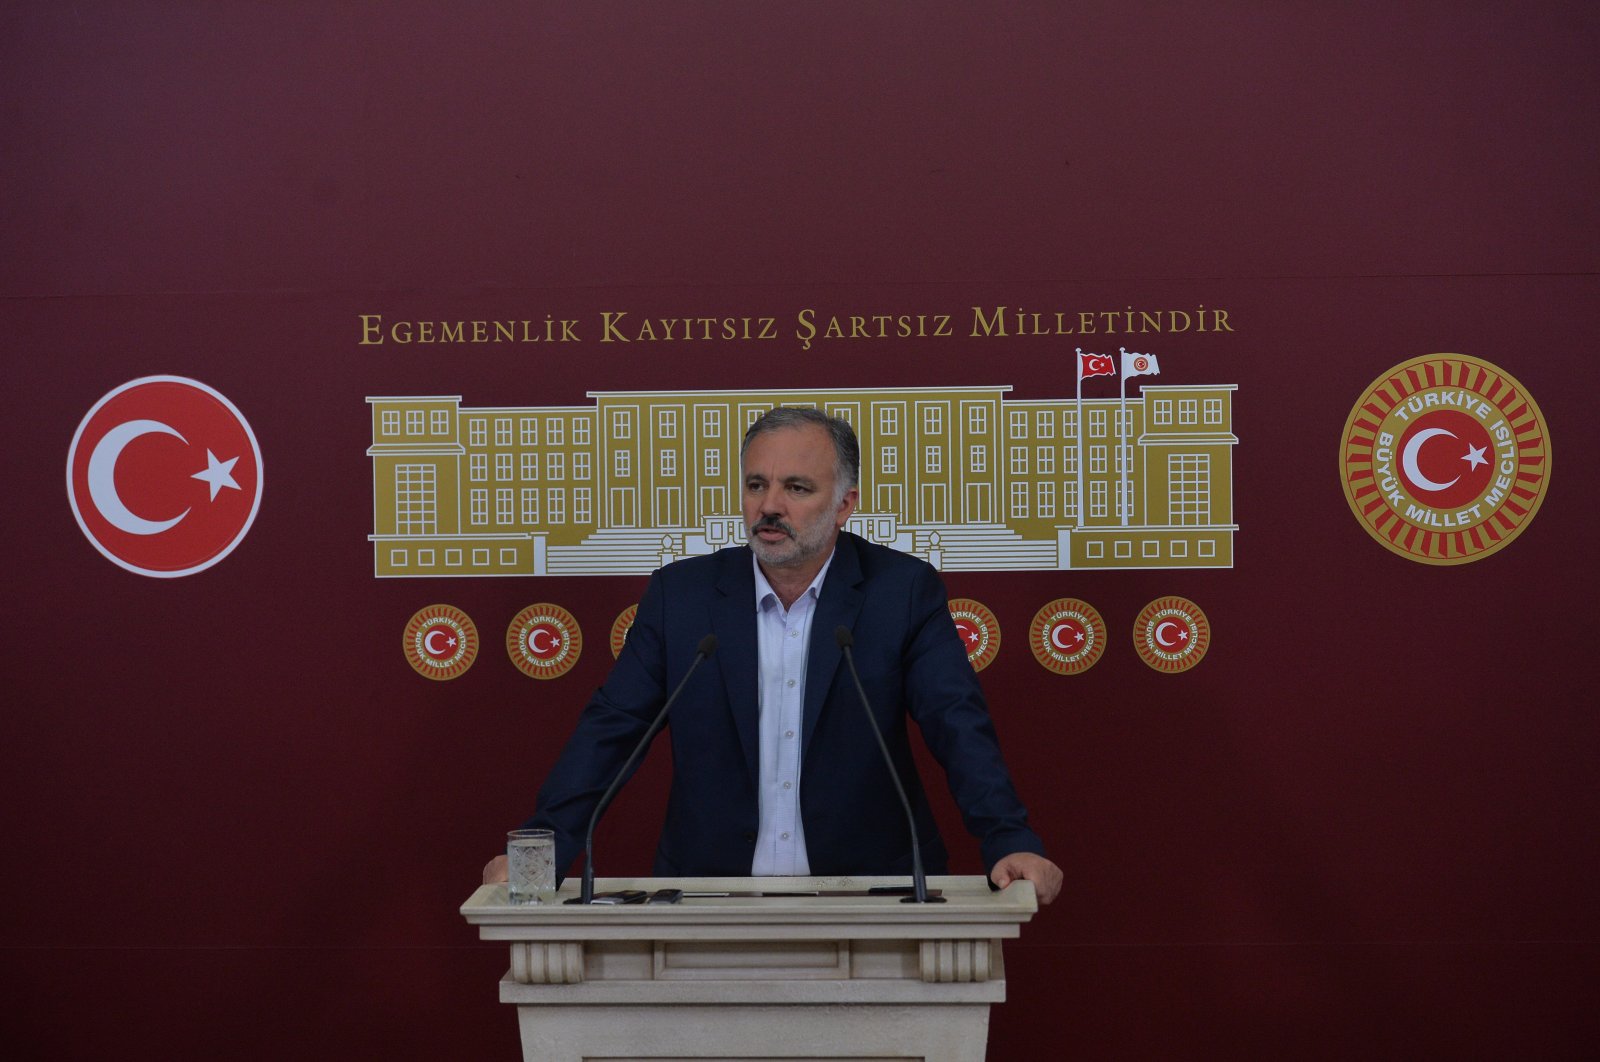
(495, 871)
(1045, 875)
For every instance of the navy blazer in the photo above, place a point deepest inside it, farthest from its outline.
(912, 664)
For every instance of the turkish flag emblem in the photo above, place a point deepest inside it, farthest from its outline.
(1095, 365)
(164, 476)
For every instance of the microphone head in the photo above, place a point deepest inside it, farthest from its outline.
(708, 645)
(843, 637)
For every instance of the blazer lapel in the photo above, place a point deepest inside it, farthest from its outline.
(837, 606)
(733, 618)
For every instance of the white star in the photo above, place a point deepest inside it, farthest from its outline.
(1474, 457)
(972, 636)
(218, 474)
(1077, 636)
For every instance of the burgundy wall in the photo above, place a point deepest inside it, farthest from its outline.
(236, 823)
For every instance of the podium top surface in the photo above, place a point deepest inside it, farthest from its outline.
(792, 907)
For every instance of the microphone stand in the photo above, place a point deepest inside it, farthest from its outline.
(708, 645)
(919, 879)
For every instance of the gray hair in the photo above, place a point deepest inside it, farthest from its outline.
(846, 450)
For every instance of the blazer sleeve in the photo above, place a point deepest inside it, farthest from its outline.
(946, 700)
(607, 730)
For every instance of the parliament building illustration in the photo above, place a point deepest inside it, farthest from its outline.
(966, 477)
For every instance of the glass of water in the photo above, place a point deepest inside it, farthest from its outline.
(532, 871)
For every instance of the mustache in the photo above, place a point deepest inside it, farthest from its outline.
(771, 520)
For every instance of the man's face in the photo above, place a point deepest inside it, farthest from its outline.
(789, 483)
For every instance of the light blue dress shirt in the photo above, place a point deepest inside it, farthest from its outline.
(782, 638)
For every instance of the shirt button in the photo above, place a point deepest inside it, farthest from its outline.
(788, 785)
(785, 836)
(794, 634)
(788, 733)
(790, 682)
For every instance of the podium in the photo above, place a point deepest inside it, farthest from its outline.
(826, 972)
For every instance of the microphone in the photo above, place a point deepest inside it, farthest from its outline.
(708, 645)
(919, 879)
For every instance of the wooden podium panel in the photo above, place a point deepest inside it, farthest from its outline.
(734, 978)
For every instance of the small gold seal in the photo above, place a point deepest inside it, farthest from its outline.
(441, 642)
(544, 641)
(1445, 459)
(979, 630)
(1067, 636)
(620, 628)
(1171, 634)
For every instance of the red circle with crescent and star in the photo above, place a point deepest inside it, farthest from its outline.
(1445, 459)
(544, 641)
(978, 629)
(440, 642)
(164, 476)
(1171, 634)
(620, 628)
(1067, 636)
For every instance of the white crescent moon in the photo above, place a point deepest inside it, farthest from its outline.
(103, 477)
(533, 641)
(1055, 639)
(427, 643)
(1408, 459)
(1161, 627)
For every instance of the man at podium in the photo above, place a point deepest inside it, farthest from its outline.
(776, 770)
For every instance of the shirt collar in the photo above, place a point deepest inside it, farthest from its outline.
(764, 590)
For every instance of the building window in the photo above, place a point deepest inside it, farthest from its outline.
(1097, 498)
(622, 464)
(580, 466)
(669, 462)
(1124, 423)
(1018, 419)
(478, 467)
(413, 422)
(977, 419)
(477, 432)
(622, 423)
(1161, 409)
(1125, 498)
(530, 505)
(390, 421)
(1097, 423)
(502, 467)
(502, 431)
(1187, 410)
(713, 461)
(582, 505)
(479, 499)
(978, 458)
(1069, 423)
(933, 458)
(555, 466)
(888, 420)
(1189, 488)
(1124, 460)
(711, 423)
(580, 430)
(666, 423)
(1045, 461)
(503, 498)
(891, 460)
(1045, 424)
(555, 504)
(1019, 460)
(1069, 501)
(1213, 411)
(415, 500)
(1047, 500)
(555, 432)
(1069, 460)
(529, 432)
(1019, 501)
(1097, 460)
(530, 466)
(932, 420)
(440, 420)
